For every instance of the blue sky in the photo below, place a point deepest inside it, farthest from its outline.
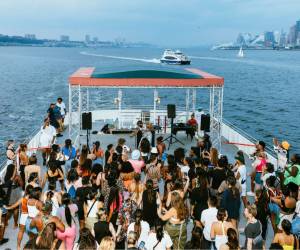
(162, 22)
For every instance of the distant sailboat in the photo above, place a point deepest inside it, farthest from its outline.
(241, 53)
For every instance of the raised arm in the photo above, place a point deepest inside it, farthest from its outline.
(15, 205)
(167, 215)
(112, 231)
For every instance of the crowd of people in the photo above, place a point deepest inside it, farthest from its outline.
(145, 198)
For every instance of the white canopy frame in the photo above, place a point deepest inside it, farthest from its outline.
(79, 103)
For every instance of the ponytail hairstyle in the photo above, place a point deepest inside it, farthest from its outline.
(113, 197)
(137, 225)
(28, 189)
(97, 146)
(222, 214)
(32, 176)
(137, 178)
(197, 236)
(159, 229)
(150, 191)
(232, 182)
(233, 242)
(52, 156)
(66, 202)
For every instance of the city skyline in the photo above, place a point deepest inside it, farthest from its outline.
(162, 23)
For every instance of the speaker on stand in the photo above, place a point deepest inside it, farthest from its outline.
(86, 124)
(171, 112)
(205, 123)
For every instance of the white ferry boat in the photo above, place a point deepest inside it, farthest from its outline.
(175, 57)
(122, 119)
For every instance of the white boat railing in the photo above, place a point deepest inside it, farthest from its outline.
(242, 141)
(128, 119)
(32, 141)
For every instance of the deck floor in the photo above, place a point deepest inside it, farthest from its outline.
(105, 139)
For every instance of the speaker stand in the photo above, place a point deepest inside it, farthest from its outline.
(88, 139)
(172, 136)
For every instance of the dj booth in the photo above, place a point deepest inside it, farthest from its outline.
(189, 130)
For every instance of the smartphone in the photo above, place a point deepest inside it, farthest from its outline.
(141, 245)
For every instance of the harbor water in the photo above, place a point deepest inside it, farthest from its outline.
(261, 94)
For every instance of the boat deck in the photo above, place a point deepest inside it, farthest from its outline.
(105, 139)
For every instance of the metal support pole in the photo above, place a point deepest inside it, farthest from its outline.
(70, 111)
(87, 100)
(221, 118)
(187, 103)
(155, 99)
(79, 110)
(194, 93)
(120, 106)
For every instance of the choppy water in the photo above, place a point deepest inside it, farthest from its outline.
(261, 90)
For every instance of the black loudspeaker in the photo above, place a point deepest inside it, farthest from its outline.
(205, 123)
(86, 121)
(171, 108)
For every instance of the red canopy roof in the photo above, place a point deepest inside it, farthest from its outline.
(145, 78)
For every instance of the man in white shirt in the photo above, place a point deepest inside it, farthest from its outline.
(241, 175)
(208, 217)
(62, 107)
(282, 155)
(47, 138)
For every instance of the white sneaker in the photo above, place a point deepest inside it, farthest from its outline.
(250, 193)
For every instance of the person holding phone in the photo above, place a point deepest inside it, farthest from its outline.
(241, 176)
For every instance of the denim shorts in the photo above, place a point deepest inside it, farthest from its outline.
(258, 178)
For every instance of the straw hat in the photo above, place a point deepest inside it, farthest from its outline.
(285, 145)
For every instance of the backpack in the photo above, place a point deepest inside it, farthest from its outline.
(72, 192)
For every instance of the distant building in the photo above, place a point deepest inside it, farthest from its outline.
(297, 42)
(297, 33)
(95, 39)
(298, 26)
(87, 39)
(277, 37)
(282, 39)
(269, 38)
(30, 36)
(64, 38)
(292, 35)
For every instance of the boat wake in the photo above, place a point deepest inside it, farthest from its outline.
(154, 60)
